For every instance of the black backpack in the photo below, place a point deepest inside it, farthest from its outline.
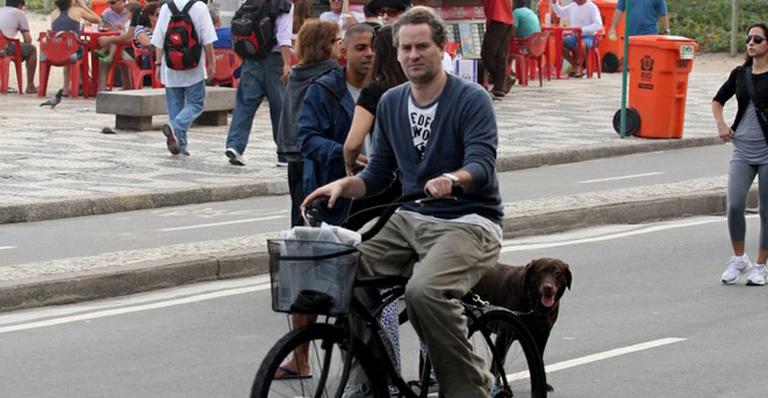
(253, 27)
(181, 45)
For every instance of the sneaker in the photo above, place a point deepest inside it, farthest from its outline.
(170, 139)
(356, 391)
(757, 276)
(736, 267)
(235, 157)
(281, 163)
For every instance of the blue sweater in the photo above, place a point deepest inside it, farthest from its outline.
(463, 135)
(324, 120)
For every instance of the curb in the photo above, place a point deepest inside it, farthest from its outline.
(118, 281)
(140, 201)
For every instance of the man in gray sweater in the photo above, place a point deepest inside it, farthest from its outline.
(438, 131)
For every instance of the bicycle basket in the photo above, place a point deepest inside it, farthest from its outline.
(312, 277)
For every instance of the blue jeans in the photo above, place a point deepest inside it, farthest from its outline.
(257, 79)
(586, 42)
(185, 104)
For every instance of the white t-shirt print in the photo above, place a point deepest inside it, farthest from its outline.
(421, 124)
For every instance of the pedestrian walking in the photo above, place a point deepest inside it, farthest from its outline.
(183, 75)
(644, 18)
(326, 116)
(318, 48)
(749, 134)
(262, 76)
(498, 33)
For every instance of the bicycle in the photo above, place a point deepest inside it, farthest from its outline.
(496, 333)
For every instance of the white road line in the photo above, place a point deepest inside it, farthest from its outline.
(218, 224)
(135, 308)
(650, 229)
(601, 356)
(655, 173)
(7, 247)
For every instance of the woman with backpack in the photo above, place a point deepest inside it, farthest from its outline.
(318, 49)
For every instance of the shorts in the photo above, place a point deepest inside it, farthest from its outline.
(26, 50)
(586, 41)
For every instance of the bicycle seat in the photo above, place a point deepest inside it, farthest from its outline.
(381, 281)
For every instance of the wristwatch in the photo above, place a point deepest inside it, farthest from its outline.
(453, 178)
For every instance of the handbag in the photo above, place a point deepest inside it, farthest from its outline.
(762, 114)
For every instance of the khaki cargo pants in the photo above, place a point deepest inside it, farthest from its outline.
(444, 259)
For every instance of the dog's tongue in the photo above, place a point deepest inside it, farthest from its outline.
(547, 301)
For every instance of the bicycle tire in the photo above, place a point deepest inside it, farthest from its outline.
(517, 370)
(325, 381)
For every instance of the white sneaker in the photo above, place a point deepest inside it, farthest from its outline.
(736, 267)
(757, 276)
(235, 157)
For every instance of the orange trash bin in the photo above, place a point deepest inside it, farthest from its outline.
(658, 83)
(612, 51)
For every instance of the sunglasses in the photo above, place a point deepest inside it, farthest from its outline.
(389, 12)
(755, 39)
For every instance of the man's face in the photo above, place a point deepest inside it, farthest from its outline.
(358, 51)
(117, 5)
(336, 6)
(419, 56)
(388, 15)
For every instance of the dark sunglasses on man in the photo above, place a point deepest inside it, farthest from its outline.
(392, 12)
(755, 39)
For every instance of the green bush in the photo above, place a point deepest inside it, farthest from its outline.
(709, 21)
(40, 6)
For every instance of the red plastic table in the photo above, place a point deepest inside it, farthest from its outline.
(557, 33)
(92, 44)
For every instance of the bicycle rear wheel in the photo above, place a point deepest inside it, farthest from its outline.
(325, 353)
(507, 347)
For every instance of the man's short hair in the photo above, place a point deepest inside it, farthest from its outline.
(15, 3)
(357, 29)
(422, 15)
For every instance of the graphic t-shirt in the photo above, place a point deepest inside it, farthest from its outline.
(421, 124)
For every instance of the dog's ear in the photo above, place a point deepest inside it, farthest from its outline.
(568, 275)
(530, 273)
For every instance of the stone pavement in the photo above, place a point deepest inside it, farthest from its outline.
(57, 163)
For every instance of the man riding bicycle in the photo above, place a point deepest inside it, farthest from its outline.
(439, 132)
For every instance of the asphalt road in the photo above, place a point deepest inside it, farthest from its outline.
(144, 229)
(647, 317)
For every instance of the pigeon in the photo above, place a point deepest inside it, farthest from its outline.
(54, 99)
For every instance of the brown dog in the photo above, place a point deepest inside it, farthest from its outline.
(533, 290)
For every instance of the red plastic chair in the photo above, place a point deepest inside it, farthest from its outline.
(60, 49)
(529, 58)
(227, 61)
(5, 63)
(593, 56)
(133, 67)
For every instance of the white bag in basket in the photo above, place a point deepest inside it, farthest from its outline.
(304, 275)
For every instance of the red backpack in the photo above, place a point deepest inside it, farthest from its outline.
(181, 45)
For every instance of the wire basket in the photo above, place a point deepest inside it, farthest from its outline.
(312, 277)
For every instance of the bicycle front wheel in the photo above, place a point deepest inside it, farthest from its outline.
(507, 347)
(321, 350)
